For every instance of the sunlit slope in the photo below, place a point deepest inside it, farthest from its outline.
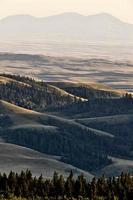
(8, 108)
(22, 118)
(89, 90)
(5, 80)
(64, 93)
(31, 94)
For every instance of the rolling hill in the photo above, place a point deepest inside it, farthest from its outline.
(95, 129)
(51, 94)
(25, 127)
(89, 90)
(118, 166)
(16, 158)
(53, 121)
(48, 95)
(24, 118)
(55, 135)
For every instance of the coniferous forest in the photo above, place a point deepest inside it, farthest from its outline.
(25, 186)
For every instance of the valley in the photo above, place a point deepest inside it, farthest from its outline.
(111, 72)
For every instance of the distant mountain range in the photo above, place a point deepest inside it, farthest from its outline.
(100, 27)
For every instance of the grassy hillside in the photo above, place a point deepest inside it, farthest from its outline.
(54, 135)
(118, 166)
(89, 90)
(37, 95)
(66, 138)
(24, 118)
(6, 80)
(31, 94)
(16, 158)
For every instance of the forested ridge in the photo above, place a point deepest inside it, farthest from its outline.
(88, 91)
(25, 186)
(40, 95)
(97, 108)
(67, 142)
(32, 94)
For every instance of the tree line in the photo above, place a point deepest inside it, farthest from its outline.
(97, 107)
(24, 185)
(86, 91)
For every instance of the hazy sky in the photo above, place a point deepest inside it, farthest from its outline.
(122, 9)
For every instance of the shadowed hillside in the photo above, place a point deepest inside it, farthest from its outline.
(16, 158)
(55, 135)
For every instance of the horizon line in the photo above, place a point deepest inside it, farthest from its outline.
(63, 13)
